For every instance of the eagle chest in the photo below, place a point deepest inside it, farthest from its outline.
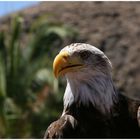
(91, 122)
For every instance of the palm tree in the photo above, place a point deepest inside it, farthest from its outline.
(26, 79)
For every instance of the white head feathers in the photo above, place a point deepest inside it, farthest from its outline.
(93, 83)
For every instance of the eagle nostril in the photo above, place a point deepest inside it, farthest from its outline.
(65, 58)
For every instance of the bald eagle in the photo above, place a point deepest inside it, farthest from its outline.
(92, 106)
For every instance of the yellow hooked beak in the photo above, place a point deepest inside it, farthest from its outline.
(64, 63)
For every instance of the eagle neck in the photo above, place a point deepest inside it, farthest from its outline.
(98, 92)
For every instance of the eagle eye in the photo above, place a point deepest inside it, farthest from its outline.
(84, 54)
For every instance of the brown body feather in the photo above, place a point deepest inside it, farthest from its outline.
(77, 123)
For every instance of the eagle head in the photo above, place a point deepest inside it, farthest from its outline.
(88, 73)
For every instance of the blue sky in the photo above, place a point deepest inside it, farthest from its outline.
(7, 7)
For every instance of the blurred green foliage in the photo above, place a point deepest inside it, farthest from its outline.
(30, 96)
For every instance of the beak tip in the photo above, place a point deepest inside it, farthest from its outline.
(56, 74)
(56, 77)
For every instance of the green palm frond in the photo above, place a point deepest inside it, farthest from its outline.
(24, 74)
